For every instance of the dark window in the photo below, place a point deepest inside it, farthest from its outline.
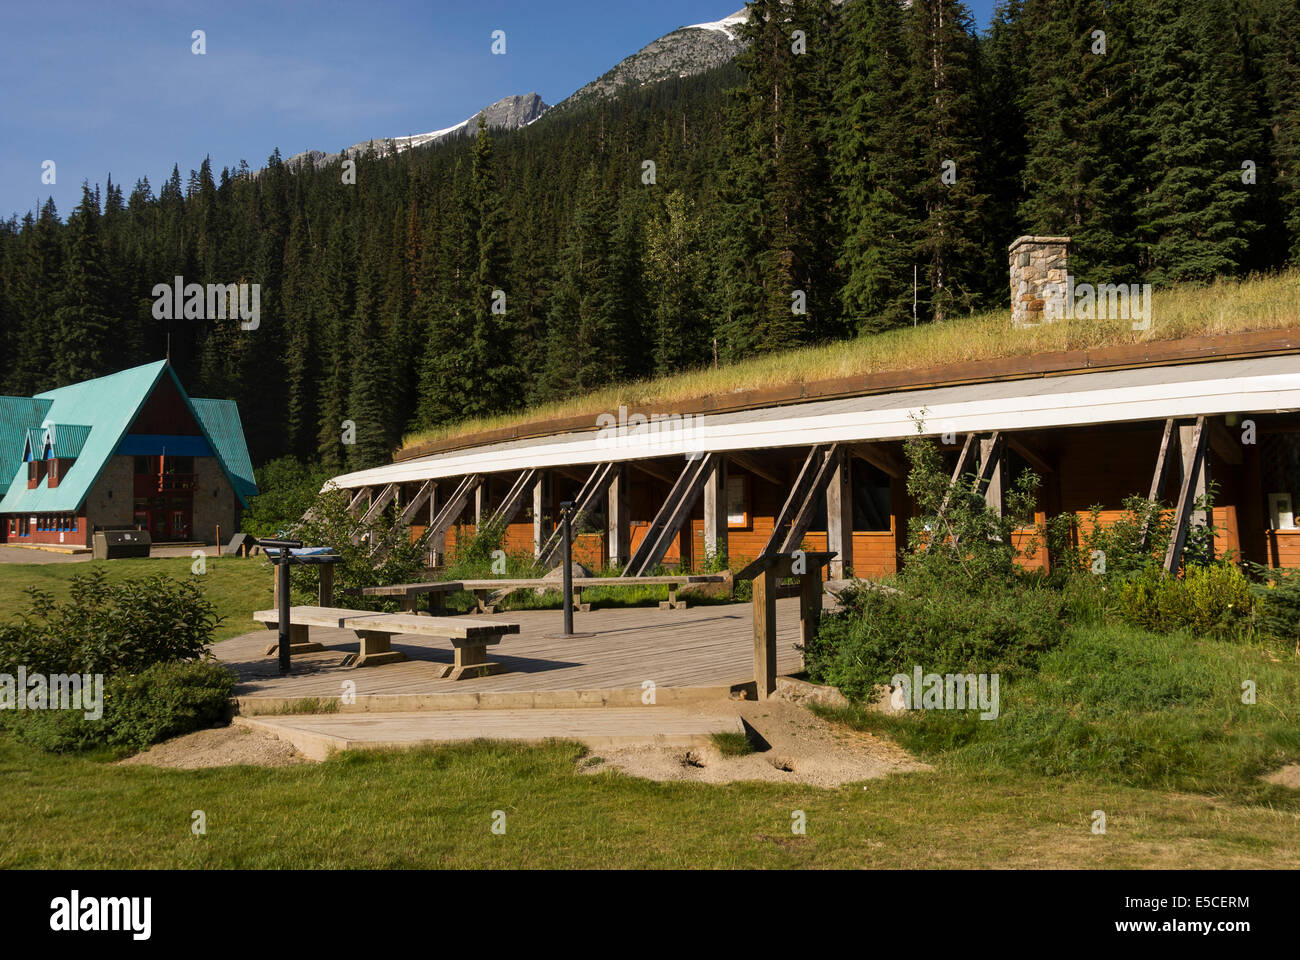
(143, 465)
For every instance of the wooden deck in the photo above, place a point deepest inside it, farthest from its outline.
(707, 646)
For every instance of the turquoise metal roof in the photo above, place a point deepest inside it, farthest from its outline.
(225, 432)
(69, 439)
(107, 406)
(34, 448)
(17, 416)
(92, 418)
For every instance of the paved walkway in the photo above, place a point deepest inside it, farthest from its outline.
(704, 648)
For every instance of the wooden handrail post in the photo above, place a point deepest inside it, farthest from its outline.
(764, 604)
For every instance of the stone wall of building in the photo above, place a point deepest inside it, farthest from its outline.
(1036, 262)
(215, 503)
(111, 500)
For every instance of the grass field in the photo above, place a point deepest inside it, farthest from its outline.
(435, 809)
(1226, 306)
(237, 586)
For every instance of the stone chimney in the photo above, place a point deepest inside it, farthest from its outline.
(1036, 262)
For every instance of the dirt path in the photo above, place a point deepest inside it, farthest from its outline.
(802, 748)
(218, 747)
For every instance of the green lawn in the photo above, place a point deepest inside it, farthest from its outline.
(434, 808)
(237, 586)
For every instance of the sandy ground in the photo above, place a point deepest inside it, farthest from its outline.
(802, 748)
(794, 746)
(10, 554)
(1288, 776)
(218, 747)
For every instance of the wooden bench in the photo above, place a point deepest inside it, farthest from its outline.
(488, 593)
(469, 638)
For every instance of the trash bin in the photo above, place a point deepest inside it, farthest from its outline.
(116, 544)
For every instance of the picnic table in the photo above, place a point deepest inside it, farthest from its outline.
(469, 638)
(488, 593)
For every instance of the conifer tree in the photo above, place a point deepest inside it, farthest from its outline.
(85, 332)
(874, 165)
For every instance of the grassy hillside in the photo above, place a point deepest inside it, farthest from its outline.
(237, 586)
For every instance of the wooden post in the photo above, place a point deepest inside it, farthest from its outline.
(764, 608)
(480, 498)
(619, 518)
(539, 530)
(810, 605)
(435, 547)
(1187, 448)
(839, 517)
(1195, 446)
(715, 510)
(325, 594)
(995, 492)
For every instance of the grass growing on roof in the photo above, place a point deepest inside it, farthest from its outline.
(1226, 306)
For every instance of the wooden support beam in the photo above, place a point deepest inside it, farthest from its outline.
(451, 511)
(593, 488)
(670, 516)
(964, 460)
(359, 502)
(655, 470)
(539, 527)
(756, 467)
(715, 510)
(993, 472)
(1158, 477)
(618, 516)
(1194, 458)
(509, 508)
(1037, 461)
(880, 457)
(797, 511)
(839, 516)
(434, 557)
(1225, 446)
(1200, 483)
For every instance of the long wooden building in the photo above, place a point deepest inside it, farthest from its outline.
(822, 465)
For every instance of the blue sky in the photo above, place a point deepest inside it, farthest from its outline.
(114, 88)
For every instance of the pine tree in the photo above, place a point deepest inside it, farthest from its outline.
(874, 166)
(676, 279)
(85, 332)
(583, 318)
(952, 193)
(1190, 222)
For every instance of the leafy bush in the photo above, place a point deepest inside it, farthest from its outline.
(1277, 603)
(1211, 601)
(998, 628)
(327, 523)
(109, 627)
(288, 490)
(166, 700)
(146, 636)
(1123, 705)
(162, 701)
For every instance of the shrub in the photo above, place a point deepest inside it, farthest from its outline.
(145, 635)
(327, 523)
(998, 628)
(164, 700)
(1277, 604)
(1211, 601)
(288, 490)
(109, 628)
